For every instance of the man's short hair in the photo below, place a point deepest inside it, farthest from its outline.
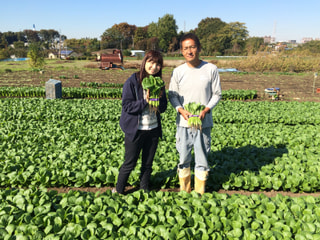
(190, 36)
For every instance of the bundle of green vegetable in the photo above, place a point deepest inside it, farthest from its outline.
(195, 109)
(154, 85)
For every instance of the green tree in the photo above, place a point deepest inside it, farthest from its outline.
(141, 34)
(153, 30)
(217, 37)
(234, 36)
(111, 38)
(4, 53)
(31, 36)
(167, 29)
(209, 26)
(254, 44)
(93, 45)
(3, 42)
(10, 37)
(19, 49)
(207, 32)
(35, 55)
(312, 46)
(49, 37)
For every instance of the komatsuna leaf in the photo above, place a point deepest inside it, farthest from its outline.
(57, 224)
(73, 230)
(10, 228)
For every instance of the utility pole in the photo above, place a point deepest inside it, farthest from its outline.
(60, 44)
(274, 32)
(314, 81)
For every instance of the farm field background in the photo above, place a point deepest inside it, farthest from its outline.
(294, 86)
(259, 149)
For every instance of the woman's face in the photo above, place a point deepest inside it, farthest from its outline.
(152, 67)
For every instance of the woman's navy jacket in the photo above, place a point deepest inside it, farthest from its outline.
(133, 104)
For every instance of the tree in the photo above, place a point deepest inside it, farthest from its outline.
(3, 42)
(118, 36)
(140, 34)
(111, 38)
(19, 49)
(93, 45)
(166, 31)
(127, 32)
(31, 36)
(49, 36)
(153, 30)
(35, 55)
(4, 53)
(254, 44)
(153, 43)
(10, 37)
(218, 37)
(142, 44)
(234, 35)
(207, 32)
(209, 26)
(312, 46)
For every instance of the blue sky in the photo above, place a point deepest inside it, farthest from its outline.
(286, 20)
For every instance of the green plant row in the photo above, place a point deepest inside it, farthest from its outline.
(79, 143)
(238, 94)
(281, 112)
(66, 92)
(97, 85)
(109, 91)
(37, 214)
(113, 93)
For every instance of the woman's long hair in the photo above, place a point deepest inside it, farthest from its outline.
(154, 56)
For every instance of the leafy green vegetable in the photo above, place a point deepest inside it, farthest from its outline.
(195, 109)
(153, 85)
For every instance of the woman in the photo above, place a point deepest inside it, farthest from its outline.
(141, 126)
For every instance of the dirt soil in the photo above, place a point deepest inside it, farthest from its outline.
(293, 87)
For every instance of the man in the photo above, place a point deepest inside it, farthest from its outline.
(194, 81)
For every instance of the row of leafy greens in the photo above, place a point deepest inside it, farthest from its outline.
(38, 214)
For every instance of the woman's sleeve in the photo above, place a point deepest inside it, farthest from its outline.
(132, 102)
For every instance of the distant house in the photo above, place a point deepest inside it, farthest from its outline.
(135, 53)
(53, 55)
(65, 53)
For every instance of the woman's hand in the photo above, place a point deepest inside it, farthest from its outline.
(148, 96)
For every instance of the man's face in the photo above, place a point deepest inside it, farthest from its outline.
(190, 51)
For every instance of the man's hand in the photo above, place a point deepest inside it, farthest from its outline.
(184, 113)
(203, 113)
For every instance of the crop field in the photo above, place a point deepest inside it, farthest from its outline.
(78, 143)
(75, 143)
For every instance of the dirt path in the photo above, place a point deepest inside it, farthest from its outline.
(222, 191)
